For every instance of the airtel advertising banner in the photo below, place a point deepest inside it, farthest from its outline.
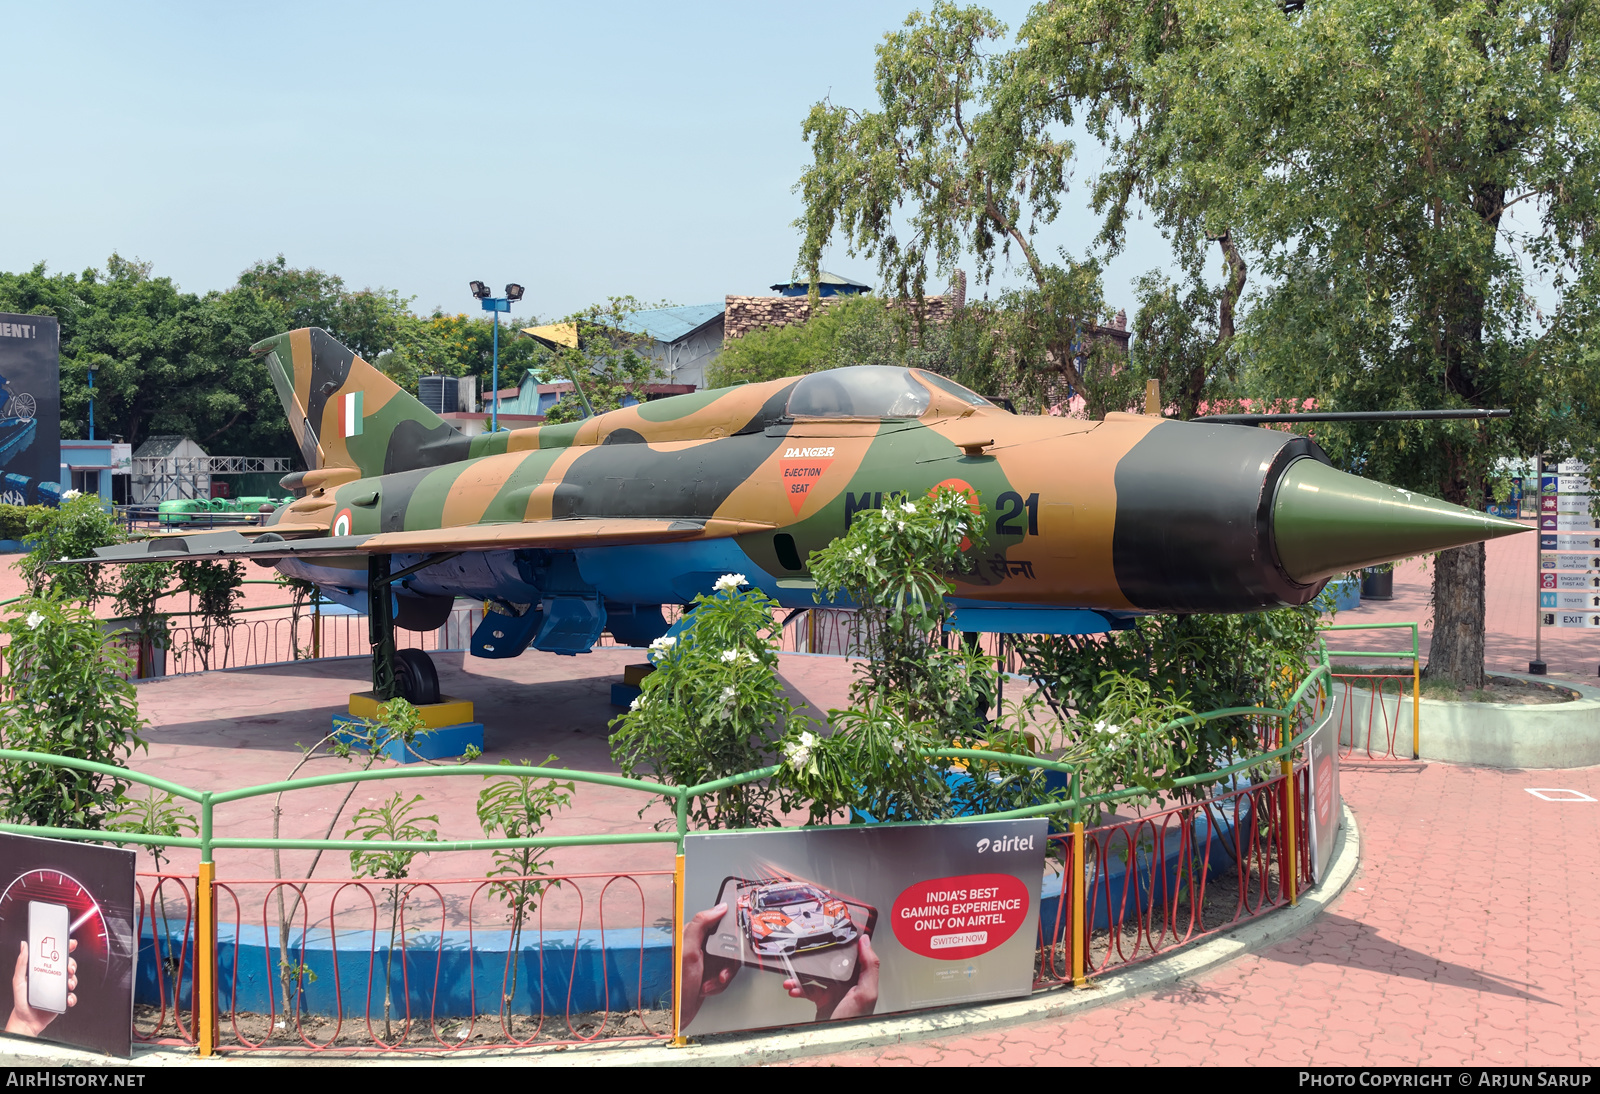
(814, 925)
(1326, 810)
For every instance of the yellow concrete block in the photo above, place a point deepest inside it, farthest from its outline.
(447, 712)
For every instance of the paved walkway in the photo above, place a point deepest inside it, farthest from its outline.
(1471, 935)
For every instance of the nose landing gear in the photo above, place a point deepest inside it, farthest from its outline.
(404, 674)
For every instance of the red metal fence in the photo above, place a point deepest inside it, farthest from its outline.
(435, 965)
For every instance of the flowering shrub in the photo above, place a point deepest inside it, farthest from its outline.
(894, 564)
(714, 707)
(65, 694)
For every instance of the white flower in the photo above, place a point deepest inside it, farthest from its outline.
(34, 619)
(728, 694)
(70, 494)
(799, 753)
(900, 526)
(663, 644)
(638, 701)
(908, 507)
(897, 746)
(729, 656)
(729, 583)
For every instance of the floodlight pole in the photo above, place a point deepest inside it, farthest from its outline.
(495, 305)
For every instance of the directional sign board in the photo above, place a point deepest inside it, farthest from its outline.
(1560, 560)
(1569, 549)
(1570, 619)
(1549, 581)
(1575, 602)
(1568, 522)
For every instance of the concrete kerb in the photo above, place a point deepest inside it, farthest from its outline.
(1505, 735)
(786, 1044)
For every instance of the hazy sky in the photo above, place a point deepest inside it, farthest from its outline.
(583, 150)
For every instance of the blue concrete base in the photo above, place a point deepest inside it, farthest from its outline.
(470, 979)
(13, 547)
(445, 743)
(622, 695)
(1341, 595)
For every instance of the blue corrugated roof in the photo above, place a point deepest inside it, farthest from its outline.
(671, 324)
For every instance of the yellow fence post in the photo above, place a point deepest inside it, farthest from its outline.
(1078, 921)
(1416, 701)
(205, 969)
(677, 949)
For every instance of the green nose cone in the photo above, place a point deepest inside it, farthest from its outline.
(1326, 522)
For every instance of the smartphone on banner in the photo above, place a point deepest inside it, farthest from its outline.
(47, 956)
(783, 925)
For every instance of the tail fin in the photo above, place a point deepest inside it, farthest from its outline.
(345, 413)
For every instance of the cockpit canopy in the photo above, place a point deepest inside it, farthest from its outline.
(872, 391)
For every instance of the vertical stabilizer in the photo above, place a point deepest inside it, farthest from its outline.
(345, 413)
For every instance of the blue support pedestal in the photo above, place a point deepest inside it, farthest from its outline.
(444, 743)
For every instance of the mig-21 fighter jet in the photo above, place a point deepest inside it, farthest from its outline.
(571, 530)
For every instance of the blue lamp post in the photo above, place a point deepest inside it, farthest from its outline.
(495, 304)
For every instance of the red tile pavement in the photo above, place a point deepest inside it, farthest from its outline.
(1470, 935)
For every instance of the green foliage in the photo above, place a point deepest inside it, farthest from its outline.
(393, 819)
(894, 564)
(1177, 343)
(457, 345)
(517, 808)
(214, 588)
(868, 764)
(864, 330)
(72, 531)
(960, 158)
(714, 707)
(141, 587)
(14, 519)
(1133, 743)
(66, 695)
(609, 362)
(1198, 662)
(154, 815)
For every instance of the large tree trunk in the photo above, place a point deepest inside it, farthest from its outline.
(1458, 618)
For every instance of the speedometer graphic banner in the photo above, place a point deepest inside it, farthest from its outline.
(67, 942)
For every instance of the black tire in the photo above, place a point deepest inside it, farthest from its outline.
(418, 680)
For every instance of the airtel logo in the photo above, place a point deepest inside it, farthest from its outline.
(1009, 843)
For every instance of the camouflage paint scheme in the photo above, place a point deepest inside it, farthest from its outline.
(650, 504)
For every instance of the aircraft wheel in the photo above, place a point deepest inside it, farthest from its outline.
(416, 677)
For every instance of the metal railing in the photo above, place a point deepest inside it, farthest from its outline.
(1375, 684)
(1273, 864)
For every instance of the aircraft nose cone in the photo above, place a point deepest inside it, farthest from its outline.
(1326, 522)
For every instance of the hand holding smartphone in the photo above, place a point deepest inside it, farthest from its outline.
(48, 946)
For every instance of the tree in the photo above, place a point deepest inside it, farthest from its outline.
(866, 330)
(1367, 155)
(960, 157)
(610, 361)
(1360, 159)
(1177, 341)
